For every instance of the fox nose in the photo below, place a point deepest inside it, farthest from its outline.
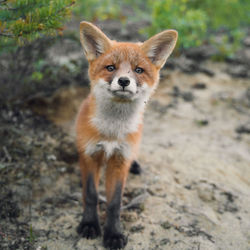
(123, 81)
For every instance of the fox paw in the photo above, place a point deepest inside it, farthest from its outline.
(135, 168)
(114, 240)
(89, 230)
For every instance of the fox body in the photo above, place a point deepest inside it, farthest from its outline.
(123, 76)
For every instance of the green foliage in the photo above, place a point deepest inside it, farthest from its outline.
(194, 19)
(31, 236)
(26, 20)
(227, 44)
(176, 14)
(93, 10)
(37, 76)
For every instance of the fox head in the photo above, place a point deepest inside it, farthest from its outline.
(122, 71)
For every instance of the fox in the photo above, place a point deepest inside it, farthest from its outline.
(123, 76)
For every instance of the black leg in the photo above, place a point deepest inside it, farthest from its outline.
(89, 226)
(135, 168)
(113, 237)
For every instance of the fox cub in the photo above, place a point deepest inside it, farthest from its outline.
(109, 126)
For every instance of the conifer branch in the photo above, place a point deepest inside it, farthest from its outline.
(27, 20)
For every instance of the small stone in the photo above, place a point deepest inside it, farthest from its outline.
(166, 225)
(137, 229)
(63, 169)
(164, 242)
(205, 192)
(202, 123)
(187, 96)
(51, 157)
(199, 85)
(129, 216)
(238, 70)
(243, 129)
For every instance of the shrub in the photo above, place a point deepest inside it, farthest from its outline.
(93, 10)
(195, 20)
(26, 20)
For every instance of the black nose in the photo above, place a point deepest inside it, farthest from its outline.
(123, 81)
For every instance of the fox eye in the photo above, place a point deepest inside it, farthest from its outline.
(110, 68)
(139, 70)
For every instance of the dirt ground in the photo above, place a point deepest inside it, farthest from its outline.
(193, 193)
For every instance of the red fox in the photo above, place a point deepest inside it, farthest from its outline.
(109, 125)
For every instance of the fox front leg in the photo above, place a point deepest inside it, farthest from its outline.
(116, 174)
(89, 227)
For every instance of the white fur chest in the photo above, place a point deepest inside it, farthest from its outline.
(116, 119)
(109, 148)
(116, 122)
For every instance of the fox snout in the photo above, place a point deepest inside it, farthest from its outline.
(124, 82)
(124, 87)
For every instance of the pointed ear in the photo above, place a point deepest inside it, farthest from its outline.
(93, 40)
(159, 47)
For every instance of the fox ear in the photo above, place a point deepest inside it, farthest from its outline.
(159, 47)
(93, 40)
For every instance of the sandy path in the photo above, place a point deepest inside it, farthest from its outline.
(196, 180)
(195, 187)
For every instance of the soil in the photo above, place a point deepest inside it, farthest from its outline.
(194, 189)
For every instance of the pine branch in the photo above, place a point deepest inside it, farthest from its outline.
(67, 6)
(60, 10)
(22, 21)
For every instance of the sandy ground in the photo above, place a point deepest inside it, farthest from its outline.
(194, 191)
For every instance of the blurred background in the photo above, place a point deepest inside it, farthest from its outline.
(39, 39)
(194, 193)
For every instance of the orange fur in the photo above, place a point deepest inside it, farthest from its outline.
(120, 52)
(117, 167)
(117, 171)
(125, 58)
(114, 54)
